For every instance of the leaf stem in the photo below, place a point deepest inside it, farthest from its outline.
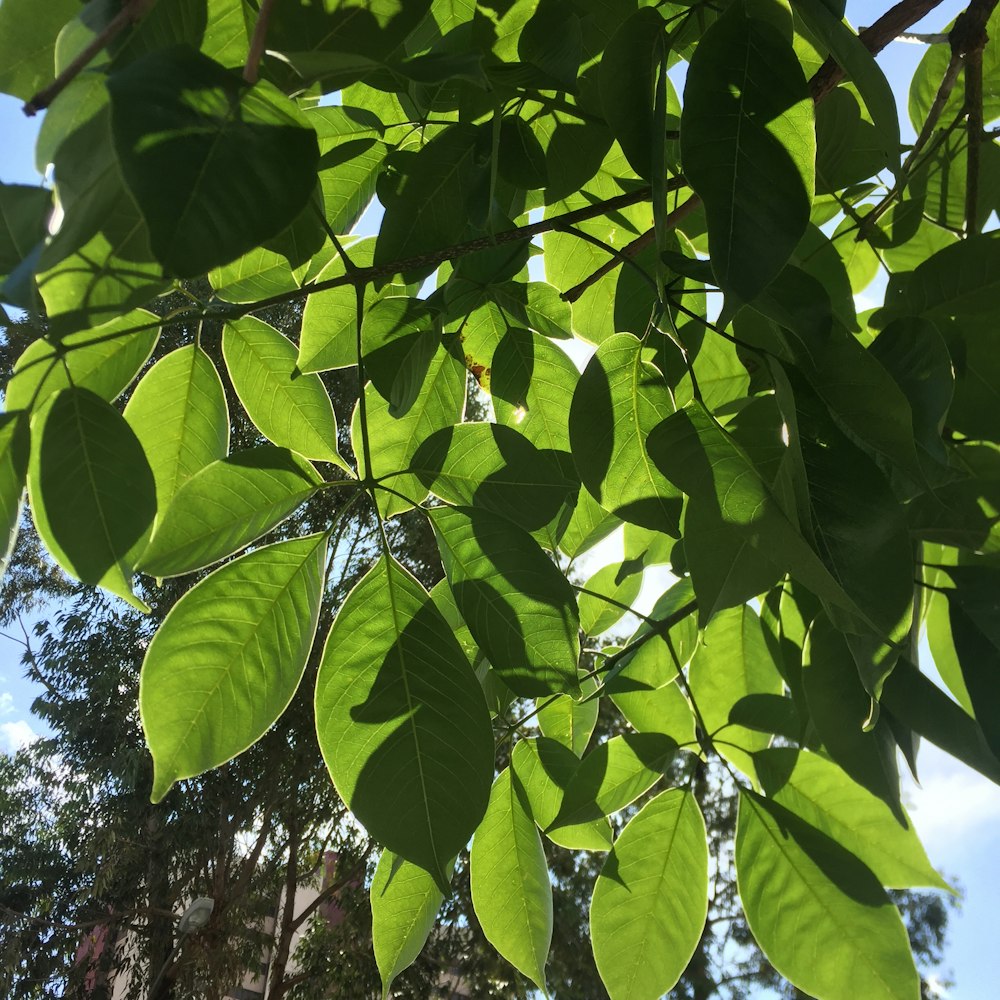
(131, 11)
(251, 70)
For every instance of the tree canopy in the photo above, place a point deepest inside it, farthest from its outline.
(684, 197)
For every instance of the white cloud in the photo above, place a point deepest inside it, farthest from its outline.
(6, 703)
(953, 805)
(14, 735)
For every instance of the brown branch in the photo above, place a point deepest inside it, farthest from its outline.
(333, 888)
(258, 42)
(875, 38)
(131, 11)
(634, 248)
(968, 39)
(363, 275)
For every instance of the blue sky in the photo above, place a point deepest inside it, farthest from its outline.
(955, 811)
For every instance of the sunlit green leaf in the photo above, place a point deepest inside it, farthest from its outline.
(228, 658)
(545, 767)
(816, 910)
(397, 704)
(822, 795)
(178, 412)
(656, 878)
(405, 901)
(613, 775)
(620, 398)
(103, 360)
(289, 408)
(510, 880)
(91, 490)
(225, 506)
(731, 664)
(518, 606)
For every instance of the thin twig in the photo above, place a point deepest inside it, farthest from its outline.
(893, 23)
(968, 40)
(132, 11)
(634, 248)
(941, 98)
(257, 44)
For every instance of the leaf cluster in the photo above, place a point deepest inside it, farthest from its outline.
(821, 482)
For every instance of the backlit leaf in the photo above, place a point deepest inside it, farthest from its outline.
(518, 606)
(91, 490)
(655, 879)
(225, 506)
(397, 704)
(226, 661)
(816, 910)
(289, 408)
(510, 880)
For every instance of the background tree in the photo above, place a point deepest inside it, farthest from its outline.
(800, 468)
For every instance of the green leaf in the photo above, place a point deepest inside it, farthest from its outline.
(439, 404)
(178, 412)
(24, 212)
(816, 910)
(329, 321)
(822, 795)
(494, 468)
(216, 167)
(537, 306)
(652, 708)
(91, 491)
(511, 891)
(961, 280)
(920, 704)
(839, 707)
(597, 615)
(544, 768)
(405, 901)
(707, 464)
(225, 506)
(748, 147)
(568, 720)
(289, 408)
(588, 524)
(862, 532)
(517, 604)
(349, 164)
(930, 71)
(613, 775)
(397, 705)
(618, 401)
(228, 657)
(103, 360)
(99, 263)
(860, 65)
(15, 444)
(627, 81)
(651, 899)
(972, 607)
(27, 43)
(532, 383)
(426, 194)
(733, 663)
(914, 353)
